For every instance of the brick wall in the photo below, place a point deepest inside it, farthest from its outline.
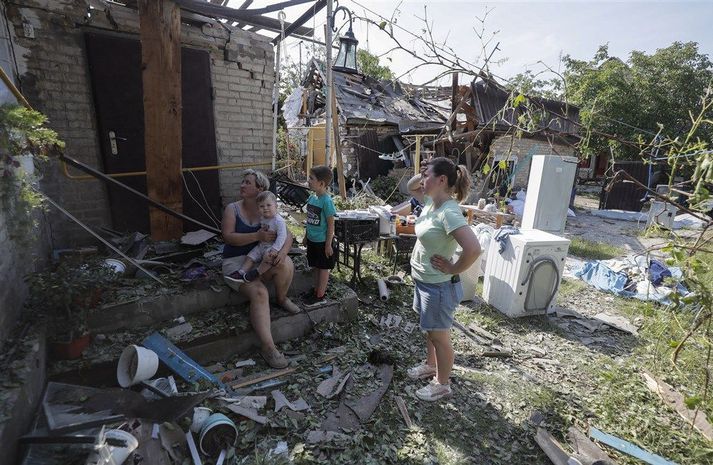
(16, 260)
(54, 77)
(521, 151)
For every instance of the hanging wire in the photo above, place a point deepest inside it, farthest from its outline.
(190, 194)
(205, 199)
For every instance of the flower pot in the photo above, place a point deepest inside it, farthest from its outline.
(136, 364)
(70, 350)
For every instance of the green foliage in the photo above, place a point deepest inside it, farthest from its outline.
(386, 188)
(652, 92)
(67, 291)
(22, 134)
(593, 250)
(368, 64)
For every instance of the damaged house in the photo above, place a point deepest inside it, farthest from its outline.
(373, 117)
(80, 63)
(473, 123)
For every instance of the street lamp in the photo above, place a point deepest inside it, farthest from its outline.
(346, 60)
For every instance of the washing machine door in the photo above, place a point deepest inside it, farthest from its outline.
(542, 284)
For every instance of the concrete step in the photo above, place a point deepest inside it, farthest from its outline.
(208, 343)
(151, 310)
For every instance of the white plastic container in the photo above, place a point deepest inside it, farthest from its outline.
(661, 214)
(136, 364)
(469, 277)
(120, 454)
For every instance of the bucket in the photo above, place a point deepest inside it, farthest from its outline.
(200, 415)
(136, 364)
(120, 454)
(218, 433)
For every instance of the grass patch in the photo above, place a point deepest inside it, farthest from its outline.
(583, 248)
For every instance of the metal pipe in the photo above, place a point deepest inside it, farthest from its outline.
(142, 173)
(104, 241)
(152, 202)
(11, 85)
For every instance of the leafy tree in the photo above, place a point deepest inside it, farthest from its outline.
(368, 64)
(636, 99)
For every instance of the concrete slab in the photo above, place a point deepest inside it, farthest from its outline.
(150, 310)
(217, 343)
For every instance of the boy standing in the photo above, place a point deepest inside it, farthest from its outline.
(321, 256)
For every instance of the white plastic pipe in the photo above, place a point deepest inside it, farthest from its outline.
(383, 290)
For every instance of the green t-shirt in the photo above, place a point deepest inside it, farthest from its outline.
(433, 229)
(318, 210)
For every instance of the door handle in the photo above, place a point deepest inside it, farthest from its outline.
(112, 142)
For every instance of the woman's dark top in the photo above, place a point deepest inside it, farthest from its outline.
(241, 226)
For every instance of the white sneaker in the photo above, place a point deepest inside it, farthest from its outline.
(434, 391)
(421, 371)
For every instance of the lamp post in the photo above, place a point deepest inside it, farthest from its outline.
(346, 61)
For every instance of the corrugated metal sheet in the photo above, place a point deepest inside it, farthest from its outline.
(625, 196)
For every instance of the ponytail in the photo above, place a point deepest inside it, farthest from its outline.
(462, 184)
(458, 176)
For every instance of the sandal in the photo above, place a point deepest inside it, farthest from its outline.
(290, 307)
(274, 358)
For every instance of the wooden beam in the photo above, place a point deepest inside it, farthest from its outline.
(296, 27)
(338, 149)
(454, 96)
(160, 33)
(242, 16)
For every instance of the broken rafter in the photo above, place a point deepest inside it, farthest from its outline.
(242, 16)
(306, 16)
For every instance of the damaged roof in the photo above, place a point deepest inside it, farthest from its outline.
(365, 100)
(489, 100)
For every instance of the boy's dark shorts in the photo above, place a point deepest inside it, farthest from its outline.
(316, 258)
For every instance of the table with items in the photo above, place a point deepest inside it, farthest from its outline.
(353, 230)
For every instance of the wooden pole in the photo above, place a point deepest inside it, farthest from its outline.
(160, 33)
(454, 96)
(338, 150)
(417, 157)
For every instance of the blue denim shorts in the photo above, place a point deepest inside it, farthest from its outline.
(436, 303)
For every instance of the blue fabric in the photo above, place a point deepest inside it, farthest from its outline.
(502, 236)
(658, 271)
(602, 277)
(436, 303)
(416, 206)
(318, 210)
(230, 251)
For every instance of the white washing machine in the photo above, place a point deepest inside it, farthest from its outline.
(523, 280)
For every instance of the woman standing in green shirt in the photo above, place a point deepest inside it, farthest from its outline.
(438, 291)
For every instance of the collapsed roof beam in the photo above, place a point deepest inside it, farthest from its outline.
(245, 4)
(306, 16)
(277, 6)
(243, 16)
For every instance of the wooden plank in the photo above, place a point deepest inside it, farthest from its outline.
(585, 448)
(338, 149)
(673, 398)
(551, 447)
(454, 96)
(160, 32)
(404, 411)
(274, 374)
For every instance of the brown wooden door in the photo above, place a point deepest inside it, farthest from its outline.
(115, 70)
